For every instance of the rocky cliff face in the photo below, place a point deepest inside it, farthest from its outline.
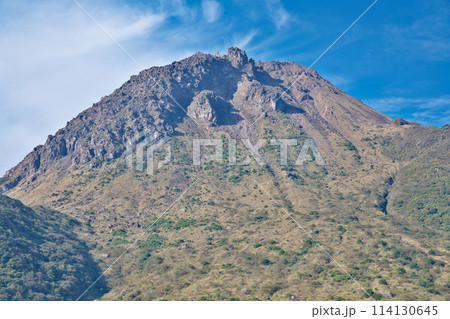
(215, 90)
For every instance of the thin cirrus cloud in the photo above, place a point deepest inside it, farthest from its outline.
(427, 111)
(242, 42)
(211, 10)
(337, 80)
(279, 15)
(427, 36)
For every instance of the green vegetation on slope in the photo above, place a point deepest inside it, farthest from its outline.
(40, 256)
(421, 186)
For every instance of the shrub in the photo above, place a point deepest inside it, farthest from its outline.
(119, 232)
(226, 266)
(265, 262)
(425, 283)
(371, 294)
(183, 223)
(414, 266)
(401, 271)
(429, 262)
(118, 241)
(214, 227)
(155, 241)
(382, 281)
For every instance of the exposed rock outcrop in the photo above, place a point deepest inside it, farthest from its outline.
(212, 89)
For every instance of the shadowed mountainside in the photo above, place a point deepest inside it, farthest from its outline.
(41, 258)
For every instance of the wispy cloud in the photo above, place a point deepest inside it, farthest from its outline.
(337, 80)
(397, 103)
(242, 42)
(279, 15)
(55, 62)
(428, 37)
(423, 110)
(212, 10)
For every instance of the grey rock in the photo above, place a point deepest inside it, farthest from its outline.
(386, 294)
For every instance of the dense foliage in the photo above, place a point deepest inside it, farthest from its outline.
(40, 256)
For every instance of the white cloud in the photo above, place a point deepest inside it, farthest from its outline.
(278, 13)
(55, 62)
(212, 10)
(242, 42)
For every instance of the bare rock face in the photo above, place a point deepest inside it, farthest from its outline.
(400, 121)
(215, 90)
(212, 110)
(237, 57)
(204, 107)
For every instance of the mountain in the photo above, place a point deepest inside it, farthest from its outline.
(379, 206)
(41, 256)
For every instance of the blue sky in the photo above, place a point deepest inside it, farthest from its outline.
(55, 62)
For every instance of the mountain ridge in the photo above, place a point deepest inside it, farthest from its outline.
(169, 111)
(225, 238)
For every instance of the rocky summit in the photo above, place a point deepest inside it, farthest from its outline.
(374, 209)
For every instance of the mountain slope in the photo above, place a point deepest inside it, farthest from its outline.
(227, 237)
(421, 186)
(40, 256)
